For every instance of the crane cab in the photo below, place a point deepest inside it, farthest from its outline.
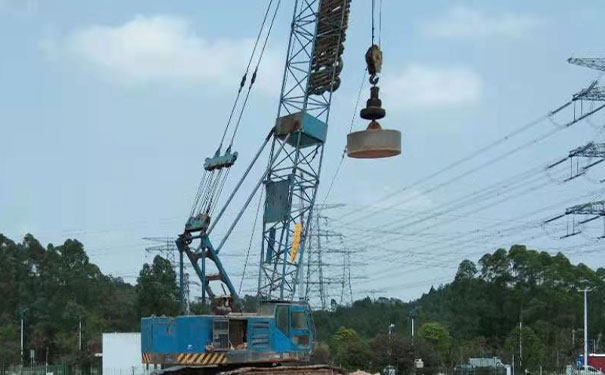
(279, 332)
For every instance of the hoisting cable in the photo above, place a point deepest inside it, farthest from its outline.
(241, 283)
(198, 195)
(344, 151)
(380, 24)
(214, 178)
(241, 180)
(211, 194)
(217, 187)
(219, 192)
(253, 79)
(244, 77)
(373, 6)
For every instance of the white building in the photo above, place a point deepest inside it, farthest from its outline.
(122, 354)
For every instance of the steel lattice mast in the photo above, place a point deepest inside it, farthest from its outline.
(311, 75)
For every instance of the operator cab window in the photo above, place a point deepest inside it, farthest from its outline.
(281, 318)
(299, 320)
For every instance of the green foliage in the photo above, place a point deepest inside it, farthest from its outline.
(157, 290)
(437, 336)
(478, 314)
(393, 350)
(55, 288)
(348, 350)
(481, 310)
(533, 347)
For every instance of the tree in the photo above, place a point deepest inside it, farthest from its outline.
(348, 350)
(436, 335)
(393, 350)
(157, 290)
(533, 347)
(466, 270)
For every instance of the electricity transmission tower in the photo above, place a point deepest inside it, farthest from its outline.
(591, 151)
(165, 247)
(594, 210)
(593, 93)
(328, 264)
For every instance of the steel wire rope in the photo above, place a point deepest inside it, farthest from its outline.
(403, 212)
(448, 265)
(241, 283)
(373, 8)
(481, 150)
(491, 205)
(207, 190)
(220, 191)
(244, 77)
(443, 263)
(475, 169)
(520, 227)
(455, 241)
(216, 188)
(494, 160)
(504, 199)
(500, 232)
(416, 237)
(482, 194)
(380, 24)
(342, 157)
(198, 195)
(253, 79)
(212, 191)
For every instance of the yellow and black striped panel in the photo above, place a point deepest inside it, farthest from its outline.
(146, 358)
(201, 359)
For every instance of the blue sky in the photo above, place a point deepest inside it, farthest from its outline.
(107, 111)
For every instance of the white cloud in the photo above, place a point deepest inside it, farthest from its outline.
(160, 49)
(464, 22)
(423, 86)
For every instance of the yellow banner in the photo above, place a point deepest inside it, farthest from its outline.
(296, 240)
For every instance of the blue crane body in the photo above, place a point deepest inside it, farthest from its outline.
(279, 332)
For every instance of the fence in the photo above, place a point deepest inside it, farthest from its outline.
(61, 369)
(469, 370)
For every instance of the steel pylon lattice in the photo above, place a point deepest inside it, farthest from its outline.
(328, 265)
(594, 92)
(594, 152)
(309, 79)
(595, 209)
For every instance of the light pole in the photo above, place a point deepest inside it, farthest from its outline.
(22, 313)
(391, 326)
(586, 290)
(413, 315)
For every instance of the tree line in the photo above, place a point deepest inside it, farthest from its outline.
(508, 296)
